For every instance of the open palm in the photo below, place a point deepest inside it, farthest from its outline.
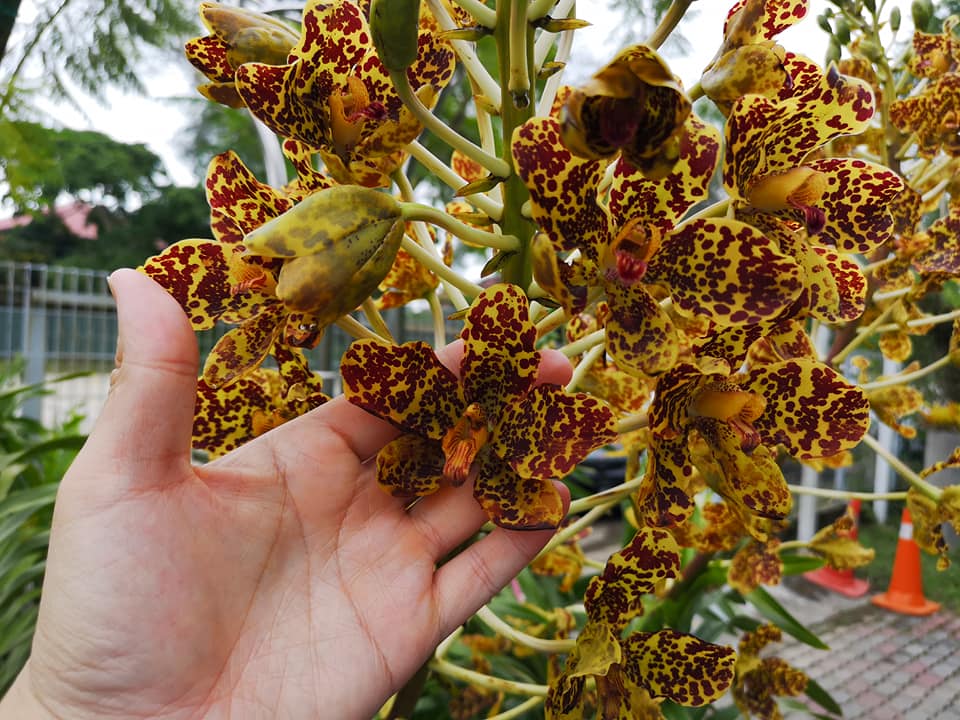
(278, 581)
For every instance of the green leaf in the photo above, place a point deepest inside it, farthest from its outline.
(794, 564)
(816, 692)
(776, 613)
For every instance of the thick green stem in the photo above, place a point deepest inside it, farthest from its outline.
(516, 268)
(908, 377)
(845, 494)
(472, 677)
(931, 491)
(416, 211)
(674, 14)
(493, 621)
(401, 84)
(597, 337)
(434, 264)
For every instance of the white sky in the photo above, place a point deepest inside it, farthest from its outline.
(158, 122)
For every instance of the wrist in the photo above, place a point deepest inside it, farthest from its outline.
(21, 702)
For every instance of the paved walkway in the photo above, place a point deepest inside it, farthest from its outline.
(881, 665)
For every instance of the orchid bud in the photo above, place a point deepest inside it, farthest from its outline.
(921, 11)
(895, 19)
(339, 242)
(395, 27)
(249, 36)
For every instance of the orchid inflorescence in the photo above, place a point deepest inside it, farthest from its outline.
(689, 267)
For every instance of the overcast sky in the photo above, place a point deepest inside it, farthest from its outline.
(158, 122)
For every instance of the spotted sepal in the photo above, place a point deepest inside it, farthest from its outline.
(244, 347)
(641, 337)
(680, 667)
(616, 595)
(811, 409)
(410, 466)
(515, 502)
(500, 361)
(549, 432)
(726, 270)
(752, 481)
(942, 255)
(239, 203)
(856, 202)
(753, 565)
(562, 187)
(663, 202)
(406, 385)
(224, 417)
(210, 281)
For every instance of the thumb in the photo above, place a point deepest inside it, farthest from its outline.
(143, 433)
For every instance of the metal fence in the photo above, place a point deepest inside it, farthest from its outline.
(59, 321)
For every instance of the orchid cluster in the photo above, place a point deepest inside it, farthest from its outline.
(690, 268)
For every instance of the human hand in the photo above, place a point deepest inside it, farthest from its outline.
(277, 581)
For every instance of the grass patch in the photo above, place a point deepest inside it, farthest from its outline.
(941, 587)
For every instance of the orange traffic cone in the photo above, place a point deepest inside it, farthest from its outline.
(842, 581)
(905, 594)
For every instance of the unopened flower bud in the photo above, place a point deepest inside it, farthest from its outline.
(341, 242)
(249, 36)
(470, 34)
(842, 33)
(395, 28)
(921, 11)
(895, 19)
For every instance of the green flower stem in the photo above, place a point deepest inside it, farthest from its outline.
(858, 340)
(481, 79)
(717, 209)
(541, 48)
(921, 485)
(358, 330)
(516, 267)
(583, 367)
(574, 528)
(436, 266)
(891, 294)
(488, 682)
(540, 8)
(695, 93)
(845, 494)
(632, 422)
(935, 192)
(551, 322)
(425, 241)
(874, 266)
(920, 322)
(792, 545)
(416, 211)
(519, 710)
(432, 163)
(519, 79)
(493, 621)
(479, 12)
(439, 321)
(907, 377)
(401, 84)
(376, 320)
(444, 647)
(616, 494)
(669, 21)
(597, 337)
(553, 83)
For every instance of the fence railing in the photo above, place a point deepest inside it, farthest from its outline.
(61, 320)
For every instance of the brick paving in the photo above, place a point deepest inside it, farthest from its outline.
(881, 665)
